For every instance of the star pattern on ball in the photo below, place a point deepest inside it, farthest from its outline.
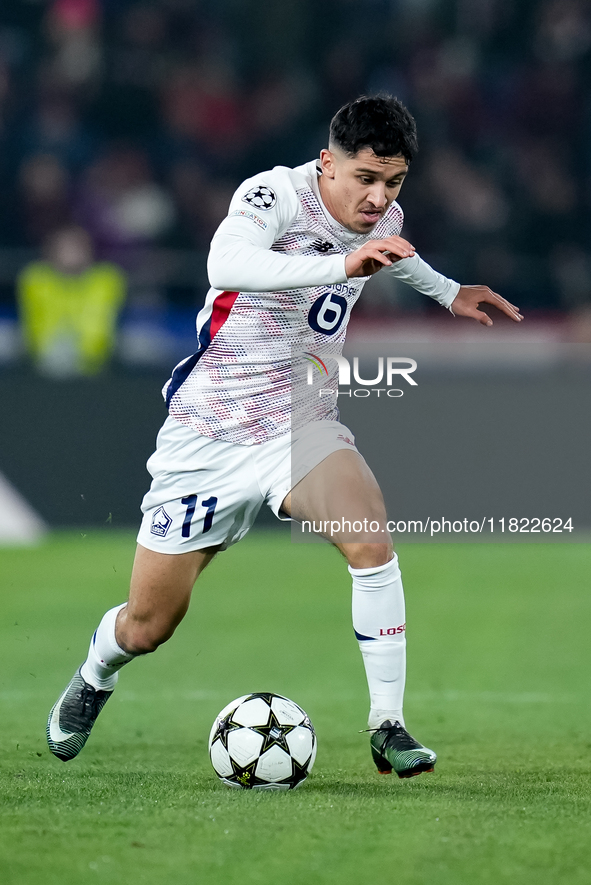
(261, 197)
(265, 761)
(224, 728)
(273, 733)
(299, 773)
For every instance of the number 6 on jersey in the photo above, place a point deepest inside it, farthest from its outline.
(327, 313)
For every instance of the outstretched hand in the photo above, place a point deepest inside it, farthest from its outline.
(466, 302)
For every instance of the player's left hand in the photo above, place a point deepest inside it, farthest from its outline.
(466, 302)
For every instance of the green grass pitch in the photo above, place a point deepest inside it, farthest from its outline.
(498, 685)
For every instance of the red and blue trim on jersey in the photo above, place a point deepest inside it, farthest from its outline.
(220, 311)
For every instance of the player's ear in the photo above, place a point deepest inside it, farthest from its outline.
(327, 163)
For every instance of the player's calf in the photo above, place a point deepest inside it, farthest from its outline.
(143, 634)
(159, 596)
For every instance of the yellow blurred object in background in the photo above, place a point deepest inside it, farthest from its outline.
(69, 306)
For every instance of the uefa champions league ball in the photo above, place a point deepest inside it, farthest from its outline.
(262, 741)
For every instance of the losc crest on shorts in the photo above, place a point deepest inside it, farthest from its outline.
(207, 492)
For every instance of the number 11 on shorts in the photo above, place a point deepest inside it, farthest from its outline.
(191, 502)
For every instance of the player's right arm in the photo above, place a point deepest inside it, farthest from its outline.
(241, 258)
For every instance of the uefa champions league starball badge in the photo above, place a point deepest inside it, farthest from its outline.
(261, 197)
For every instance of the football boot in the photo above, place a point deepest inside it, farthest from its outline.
(393, 748)
(72, 717)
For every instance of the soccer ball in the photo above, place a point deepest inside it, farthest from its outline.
(262, 741)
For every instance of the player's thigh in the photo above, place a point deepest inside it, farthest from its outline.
(341, 490)
(341, 500)
(161, 586)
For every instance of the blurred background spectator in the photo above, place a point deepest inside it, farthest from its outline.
(69, 306)
(136, 119)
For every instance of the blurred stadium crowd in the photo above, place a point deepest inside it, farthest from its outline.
(135, 120)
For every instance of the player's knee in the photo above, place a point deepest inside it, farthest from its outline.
(142, 638)
(368, 555)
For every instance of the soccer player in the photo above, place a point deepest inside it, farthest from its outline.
(286, 267)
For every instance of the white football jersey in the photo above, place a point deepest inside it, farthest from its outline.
(279, 291)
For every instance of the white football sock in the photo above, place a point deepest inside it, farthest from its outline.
(379, 624)
(105, 657)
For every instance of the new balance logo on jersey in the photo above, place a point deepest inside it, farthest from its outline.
(322, 246)
(161, 522)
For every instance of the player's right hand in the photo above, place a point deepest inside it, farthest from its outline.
(376, 254)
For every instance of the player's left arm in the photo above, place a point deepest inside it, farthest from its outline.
(460, 300)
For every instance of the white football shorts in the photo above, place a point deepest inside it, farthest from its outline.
(207, 492)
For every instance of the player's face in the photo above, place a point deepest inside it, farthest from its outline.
(358, 190)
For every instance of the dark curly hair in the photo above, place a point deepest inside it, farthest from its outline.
(379, 122)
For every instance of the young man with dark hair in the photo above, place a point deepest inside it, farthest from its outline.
(286, 267)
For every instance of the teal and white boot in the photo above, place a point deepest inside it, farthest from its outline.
(393, 748)
(72, 717)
